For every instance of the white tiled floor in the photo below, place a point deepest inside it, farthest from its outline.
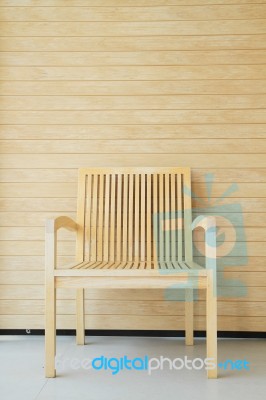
(22, 372)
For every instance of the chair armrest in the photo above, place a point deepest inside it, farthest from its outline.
(51, 228)
(209, 226)
(53, 224)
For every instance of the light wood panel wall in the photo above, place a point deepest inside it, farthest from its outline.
(132, 82)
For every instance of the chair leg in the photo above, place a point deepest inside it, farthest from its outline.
(80, 317)
(211, 313)
(50, 329)
(189, 317)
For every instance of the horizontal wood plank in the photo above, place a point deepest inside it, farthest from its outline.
(116, 3)
(151, 131)
(93, 58)
(156, 146)
(82, 160)
(144, 13)
(162, 102)
(60, 175)
(147, 28)
(226, 323)
(144, 43)
(125, 73)
(135, 116)
(136, 87)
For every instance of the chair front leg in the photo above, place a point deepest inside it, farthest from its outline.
(189, 317)
(50, 328)
(50, 299)
(211, 314)
(80, 317)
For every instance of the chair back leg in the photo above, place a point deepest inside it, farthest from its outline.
(80, 317)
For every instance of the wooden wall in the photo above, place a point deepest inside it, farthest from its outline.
(133, 82)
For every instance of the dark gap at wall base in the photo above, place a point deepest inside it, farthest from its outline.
(137, 333)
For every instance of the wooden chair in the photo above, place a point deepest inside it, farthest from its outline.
(134, 230)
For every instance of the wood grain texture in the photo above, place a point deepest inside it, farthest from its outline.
(168, 146)
(146, 28)
(146, 43)
(134, 87)
(135, 116)
(113, 3)
(133, 83)
(160, 12)
(129, 73)
(94, 58)
(88, 103)
(201, 175)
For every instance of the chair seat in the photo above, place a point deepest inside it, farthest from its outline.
(136, 265)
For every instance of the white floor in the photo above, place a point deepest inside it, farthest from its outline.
(22, 370)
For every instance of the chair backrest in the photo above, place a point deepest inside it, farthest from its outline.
(134, 214)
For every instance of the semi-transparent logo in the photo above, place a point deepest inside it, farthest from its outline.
(228, 238)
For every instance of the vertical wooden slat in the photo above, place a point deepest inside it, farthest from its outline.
(173, 216)
(142, 222)
(100, 220)
(155, 219)
(130, 217)
(180, 217)
(166, 217)
(93, 249)
(112, 218)
(106, 218)
(148, 220)
(187, 215)
(161, 217)
(125, 216)
(136, 219)
(81, 215)
(118, 217)
(88, 215)
(142, 217)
